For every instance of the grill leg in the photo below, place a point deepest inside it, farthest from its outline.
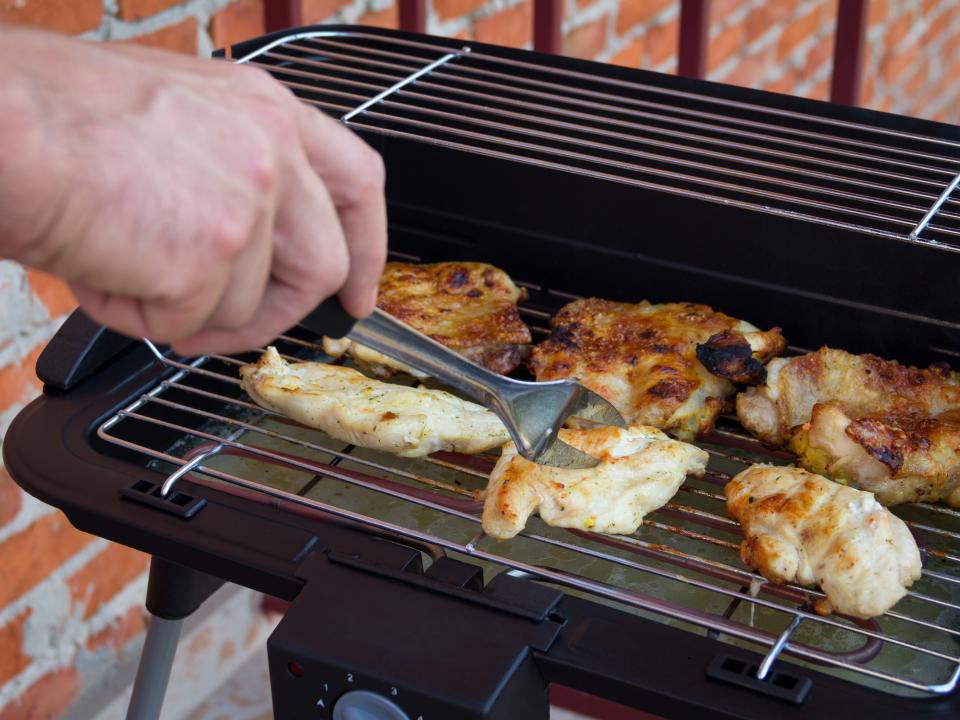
(173, 592)
(156, 661)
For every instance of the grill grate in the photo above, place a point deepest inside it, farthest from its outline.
(681, 566)
(761, 158)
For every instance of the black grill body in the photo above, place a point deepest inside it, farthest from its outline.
(438, 642)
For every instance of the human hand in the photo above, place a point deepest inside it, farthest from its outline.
(193, 202)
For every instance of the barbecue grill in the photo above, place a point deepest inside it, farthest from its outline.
(579, 179)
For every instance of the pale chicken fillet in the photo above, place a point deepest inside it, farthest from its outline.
(899, 459)
(802, 528)
(640, 470)
(348, 406)
(863, 385)
(670, 366)
(468, 307)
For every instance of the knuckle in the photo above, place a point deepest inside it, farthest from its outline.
(263, 168)
(231, 234)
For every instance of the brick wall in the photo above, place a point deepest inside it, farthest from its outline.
(70, 605)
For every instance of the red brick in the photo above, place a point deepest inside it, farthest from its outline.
(104, 576)
(767, 15)
(12, 657)
(33, 553)
(820, 91)
(52, 291)
(821, 52)
(587, 40)
(120, 632)
(16, 381)
(868, 89)
(47, 699)
(719, 9)
(638, 12)
(76, 16)
(919, 78)
(748, 70)
(181, 37)
(897, 31)
(317, 11)
(877, 12)
(240, 21)
(828, 14)
(796, 32)
(785, 83)
(447, 9)
(11, 498)
(895, 64)
(630, 56)
(729, 41)
(136, 9)
(388, 18)
(661, 42)
(512, 27)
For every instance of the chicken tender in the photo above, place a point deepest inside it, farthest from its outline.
(899, 459)
(862, 385)
(347, 405)
(469, 307)
(640, 470)
(802, 528)
(670, 366)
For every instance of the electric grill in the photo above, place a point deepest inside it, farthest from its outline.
(579, 179)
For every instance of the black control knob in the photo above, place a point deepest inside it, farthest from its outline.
(366, 705)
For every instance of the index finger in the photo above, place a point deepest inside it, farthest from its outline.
(354, 176)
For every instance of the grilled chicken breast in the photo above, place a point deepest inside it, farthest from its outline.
(347, 405)
(468, 307)
(898, 459)
(801, 528)
(640, 469)
(670, 366)
(862, 385)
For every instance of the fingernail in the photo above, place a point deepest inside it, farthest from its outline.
(373, 299)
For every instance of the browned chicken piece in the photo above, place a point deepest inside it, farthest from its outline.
(863, 385)
(899, 459)
(669, 366)
(469, 307)
(640, 470)
(802, 528)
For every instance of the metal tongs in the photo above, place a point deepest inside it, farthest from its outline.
(533, 412)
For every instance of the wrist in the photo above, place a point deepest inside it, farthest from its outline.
(30, 183)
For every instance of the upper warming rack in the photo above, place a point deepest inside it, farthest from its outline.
(682, 566)
(851, 175)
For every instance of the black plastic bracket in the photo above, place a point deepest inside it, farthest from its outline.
(80, 348)
(175, 591)
(504, 593)
(742, 671)
(176, 503)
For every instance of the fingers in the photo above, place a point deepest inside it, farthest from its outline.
(310, 263)
(354, 175)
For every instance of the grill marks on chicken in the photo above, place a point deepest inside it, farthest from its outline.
(644, 358)
(640, 470)
(347, 405)
(801, 528)
(469, 307)
(864, 386)
(899, 459)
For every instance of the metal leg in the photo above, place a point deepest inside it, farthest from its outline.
(174, 591)
(153, 673)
